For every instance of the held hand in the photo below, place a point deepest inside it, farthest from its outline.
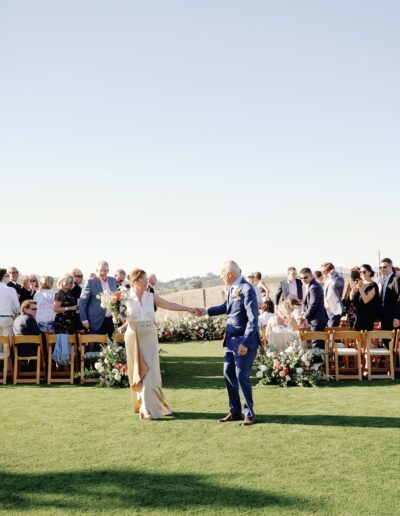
(199, 312)
(242, 350)
(86, 325)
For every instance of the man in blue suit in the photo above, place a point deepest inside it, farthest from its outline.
(242, 339)
(92, 315)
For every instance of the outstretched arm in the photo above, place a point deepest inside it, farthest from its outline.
(174, 307)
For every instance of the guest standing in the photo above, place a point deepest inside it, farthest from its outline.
(313, 305)
(26, 291)
(14, 273)
(333, 291)
(66, 320)
(9, 304)
(365, 295)
(290, 287)
(264, 288)
(390, 296)
(44, 299)
(76, 289)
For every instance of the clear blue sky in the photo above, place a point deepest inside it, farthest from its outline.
(172, 135)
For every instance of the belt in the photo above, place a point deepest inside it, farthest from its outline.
(143, 324)
(7, 316)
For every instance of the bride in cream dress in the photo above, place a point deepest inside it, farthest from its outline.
(141, 343)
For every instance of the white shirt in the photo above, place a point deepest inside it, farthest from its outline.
(140, 311)
(106, 286)
(293, 289)
(45, 305)
(264, 318)
(9, 303)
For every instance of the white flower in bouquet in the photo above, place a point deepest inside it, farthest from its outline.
(299, 370)
(287, 378)
(307, 363)
(115, 371)
(118, 376)
(263, 368)
(316, 367)
(259, 374)
(106, 360)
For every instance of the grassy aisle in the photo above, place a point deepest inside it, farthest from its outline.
(331, 450)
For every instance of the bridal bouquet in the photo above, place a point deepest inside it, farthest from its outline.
(115, 303)
(294, 365)
(111, 366)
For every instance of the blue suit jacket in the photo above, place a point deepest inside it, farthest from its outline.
(89, 306)
(313, 306)
(242, 322)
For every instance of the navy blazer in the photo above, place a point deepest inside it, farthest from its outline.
(89, 305)
(241, 308)
(313, 306)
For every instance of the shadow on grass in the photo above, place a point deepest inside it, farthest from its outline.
(116, 490)
(307, 420)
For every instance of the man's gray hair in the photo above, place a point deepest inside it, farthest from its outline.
(119, 271)
(102, 263)
(231, 266)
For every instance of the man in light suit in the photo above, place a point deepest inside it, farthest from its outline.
(92, 315)
(313, 305)
(242, 339)
(333, 291)
(389, 284)
(290, 288)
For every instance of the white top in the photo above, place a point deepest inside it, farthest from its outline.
(140, 311)
(258, 294)
(8, 300)
(45, 305)
(264, 318)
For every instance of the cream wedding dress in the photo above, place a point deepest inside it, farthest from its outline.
(143, 361)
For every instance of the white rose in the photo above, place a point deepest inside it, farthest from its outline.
(263, 368)
(106, 360)
(299, 370)
(307, 363)
(115, 371)
(118, 377)
(259, 374)
(287, 378)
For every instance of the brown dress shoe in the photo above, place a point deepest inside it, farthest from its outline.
(230, 417)
(248, 421)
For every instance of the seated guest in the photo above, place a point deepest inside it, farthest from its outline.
(295, 308)
(9, 305)
(14, 273)
(26, 291)
(281, 327)
(76, 290)
(264, 288)
(267, 311)
(44, 299)
(25, 324)
(66, 321)
(348, 303)
(365, 296)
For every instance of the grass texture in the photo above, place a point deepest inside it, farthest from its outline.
(80, 450)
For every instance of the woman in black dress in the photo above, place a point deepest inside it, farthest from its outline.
(65, 307)
(365, 296)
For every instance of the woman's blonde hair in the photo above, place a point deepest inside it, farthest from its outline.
(136, 274)
(46, 283)
(25, 280)
(62, 280)
(284, 311)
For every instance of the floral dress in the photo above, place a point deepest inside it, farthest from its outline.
(66, 322)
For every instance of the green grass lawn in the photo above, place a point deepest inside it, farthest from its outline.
(329, 450)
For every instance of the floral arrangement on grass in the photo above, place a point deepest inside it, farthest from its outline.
(295, 365)
(115, 303)
(186, 328)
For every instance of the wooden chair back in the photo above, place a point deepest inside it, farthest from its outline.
(68, 373)
(26, 377)
(380, 357)
(86, 339)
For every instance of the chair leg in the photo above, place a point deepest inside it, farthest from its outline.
(15, 365)
(391, 361)
(49, 354)
(336, 366)
(369, 365)
(5, 364)
(72, 364)
(82, 349)
(38, 366)
(359, 365)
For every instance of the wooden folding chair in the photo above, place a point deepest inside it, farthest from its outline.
(308, 336)
(60, 376)
(119, 338)
(263, 331)
(87, 340)
(347, 345)
(5, 355)
(26, 377)
(375, 348)
(396, 352)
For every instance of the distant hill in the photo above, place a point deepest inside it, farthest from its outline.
(179, 284)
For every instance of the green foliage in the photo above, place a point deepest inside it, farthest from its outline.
(186, 327)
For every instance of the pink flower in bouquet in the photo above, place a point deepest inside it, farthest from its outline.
(282, 374)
